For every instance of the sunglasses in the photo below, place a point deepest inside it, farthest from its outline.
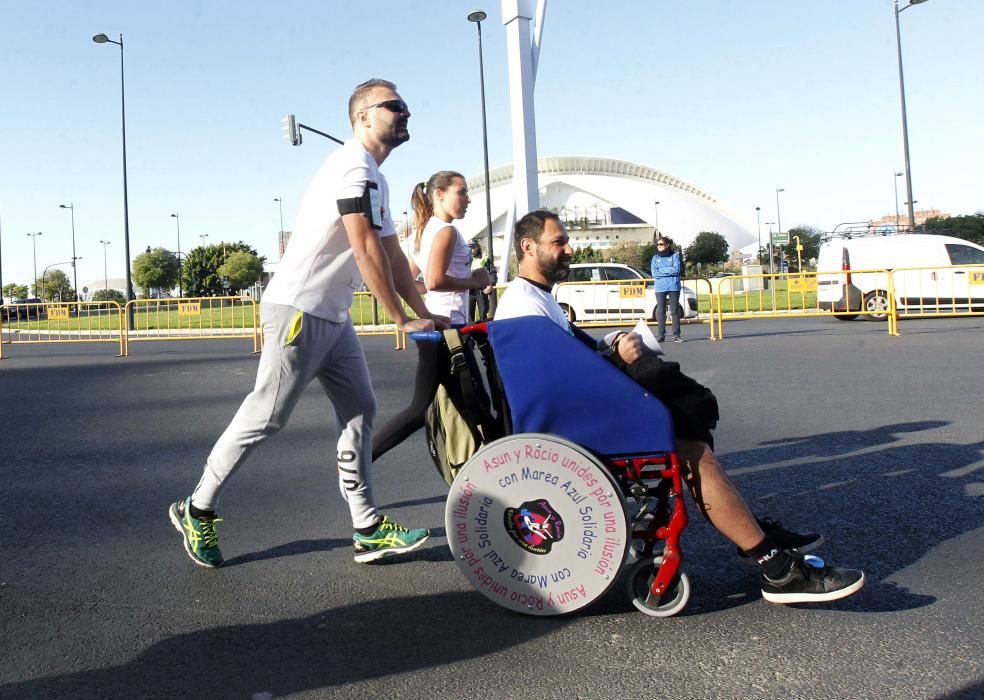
(395, 106)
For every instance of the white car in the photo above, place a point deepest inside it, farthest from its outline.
(614, 292)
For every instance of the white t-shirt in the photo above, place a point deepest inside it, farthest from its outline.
(523, 298)
(453, 304)
(317, 273)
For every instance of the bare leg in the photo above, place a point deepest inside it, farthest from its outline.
(716, 496)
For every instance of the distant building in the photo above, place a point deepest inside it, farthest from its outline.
(283, 240)
(604, 201)
(902, 220)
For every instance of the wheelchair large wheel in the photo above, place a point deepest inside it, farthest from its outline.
(640, 580)
(537, 524)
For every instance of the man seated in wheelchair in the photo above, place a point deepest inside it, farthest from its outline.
(544, 254)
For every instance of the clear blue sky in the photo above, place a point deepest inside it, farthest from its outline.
(735, 97)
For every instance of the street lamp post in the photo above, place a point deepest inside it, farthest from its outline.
(75, 273)
(279, 201)
(758, 225)
(203, 236)
(105, 274)
(779, 220)
(34, 246)
(477, 16)
(895, 181)
(103, 39)
(905, 126)
(772, 282)
(656, 218)
(177, 223)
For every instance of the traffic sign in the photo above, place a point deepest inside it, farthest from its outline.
(780, 238)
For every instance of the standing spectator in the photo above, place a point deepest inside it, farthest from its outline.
(478, 302)
(344, 234)
(665, 269)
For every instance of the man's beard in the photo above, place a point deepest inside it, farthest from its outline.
(556, 270)
(397, 135)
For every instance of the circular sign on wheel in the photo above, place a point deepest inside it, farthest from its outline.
(537, 524)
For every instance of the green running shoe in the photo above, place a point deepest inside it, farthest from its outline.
(389, 538)
(200, 540)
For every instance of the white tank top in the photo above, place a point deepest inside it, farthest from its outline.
(454, 305)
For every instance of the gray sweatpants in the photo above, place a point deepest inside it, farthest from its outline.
(321, 349)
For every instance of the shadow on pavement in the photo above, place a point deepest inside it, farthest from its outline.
(319, 652)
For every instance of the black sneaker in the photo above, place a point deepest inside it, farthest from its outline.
(803, 543)
(806, 583)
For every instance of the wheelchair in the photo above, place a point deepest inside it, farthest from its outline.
(578, 483)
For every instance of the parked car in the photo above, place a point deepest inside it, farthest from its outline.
(946, 283)
(24, 310)
(616, 292)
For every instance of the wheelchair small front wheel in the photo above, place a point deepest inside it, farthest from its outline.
(640, 581)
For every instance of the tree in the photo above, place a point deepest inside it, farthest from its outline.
(109, 295)
(242, 269)
(155, 269)
(200, 273)
(15, 291)
(708, 248)
(585, 255)
(969, 227)
(809, 239)
(55, 286)
(634, 254)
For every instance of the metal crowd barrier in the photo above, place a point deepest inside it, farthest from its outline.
(369, 318)
(957, 290)
(197, 318)
(932, 291)
(62, 322)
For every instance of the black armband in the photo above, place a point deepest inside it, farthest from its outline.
(369, 205)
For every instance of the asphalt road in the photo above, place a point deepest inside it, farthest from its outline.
(873, 440)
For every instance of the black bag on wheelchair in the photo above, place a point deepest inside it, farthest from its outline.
(467, 411)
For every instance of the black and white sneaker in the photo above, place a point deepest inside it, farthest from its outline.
(808, 582)
(802, 542)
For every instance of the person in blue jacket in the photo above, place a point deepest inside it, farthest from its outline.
(665, 269)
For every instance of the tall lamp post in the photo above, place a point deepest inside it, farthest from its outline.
(177, 223)
(477, 16)
(896, 183)
(103, 39)
(105, 274)
(758, 226)
(656, 217)
(279, 201)
(905, 127)
(34, 246)
(772, 283)
(779, 219)
(203, 236)
(75, 273)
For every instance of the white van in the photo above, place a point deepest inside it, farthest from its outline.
(943, 282)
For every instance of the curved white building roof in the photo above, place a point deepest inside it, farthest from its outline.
(592, 187)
